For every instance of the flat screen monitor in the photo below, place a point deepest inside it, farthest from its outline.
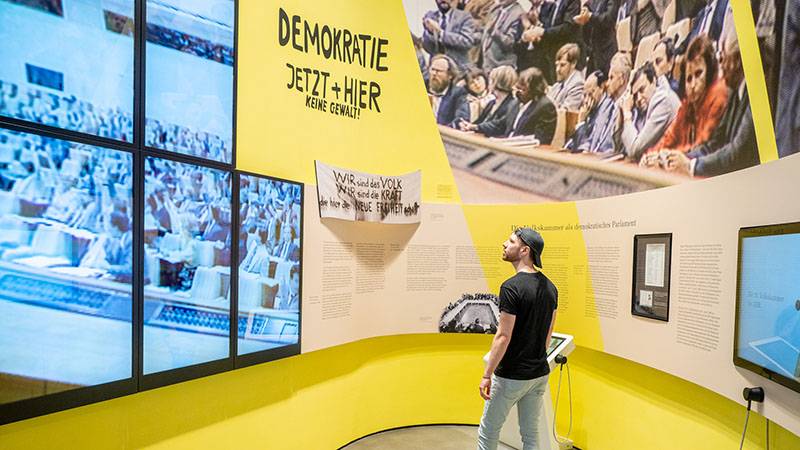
(189, 77)
(269, 263)
(187, 221)
(66, 215)
(767, 333)
(66, 65)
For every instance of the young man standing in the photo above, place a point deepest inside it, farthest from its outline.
(517, 370)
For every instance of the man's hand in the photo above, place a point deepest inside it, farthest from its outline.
(432, 26)
(583, 17)
(467, 126)
(533, 34)
(486, 386)
(677, 161)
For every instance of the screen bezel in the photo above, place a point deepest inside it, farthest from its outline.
(744, 233)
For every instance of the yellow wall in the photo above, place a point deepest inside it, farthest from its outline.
(325, 399)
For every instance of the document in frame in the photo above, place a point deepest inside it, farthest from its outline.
(655, 255)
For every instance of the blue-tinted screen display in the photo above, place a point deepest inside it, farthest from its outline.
(187, 265)
(65, 265)
(769, 308)
(66, 65)
(269, 263)
(189, 77)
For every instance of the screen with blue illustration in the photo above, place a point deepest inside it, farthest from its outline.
(768, 303)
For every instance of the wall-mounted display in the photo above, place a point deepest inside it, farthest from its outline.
(767, 332)
(65, 265)
(187, 258)
(189, 77)
(270, 242)
(87, 84)
(652, 255)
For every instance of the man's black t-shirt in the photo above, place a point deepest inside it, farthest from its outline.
(532, 298)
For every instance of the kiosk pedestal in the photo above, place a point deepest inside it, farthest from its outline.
(560, 344)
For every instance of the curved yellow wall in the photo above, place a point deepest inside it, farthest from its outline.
(325, 399)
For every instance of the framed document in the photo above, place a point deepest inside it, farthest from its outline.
(652, 256)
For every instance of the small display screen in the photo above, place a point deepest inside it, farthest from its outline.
(187, 227)
(555, 341)
(86, 85)
(189, 77)
(768, 312)
(269, 266)
(65, 265)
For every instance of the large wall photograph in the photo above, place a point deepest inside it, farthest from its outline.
(542, 101)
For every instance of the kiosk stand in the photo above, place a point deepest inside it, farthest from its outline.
(560, 344)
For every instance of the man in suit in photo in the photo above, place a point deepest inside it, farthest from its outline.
(535, 114)
(449, 101)
(555, 29)
(732, 146)
(709, 21)
(501, 33)
(647, 110)
(598, 21)
(567, 93)
(450, 31)
(595, 103)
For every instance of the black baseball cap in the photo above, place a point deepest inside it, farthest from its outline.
(534, 240)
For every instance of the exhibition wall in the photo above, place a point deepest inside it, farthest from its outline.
(373, 294)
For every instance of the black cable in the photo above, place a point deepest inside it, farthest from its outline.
(555, 409)
(767, 434)
(745, 424)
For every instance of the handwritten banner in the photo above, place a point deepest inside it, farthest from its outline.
(352, 195)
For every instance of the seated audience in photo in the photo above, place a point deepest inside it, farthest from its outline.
(555, 28)
(501, 33)
(647, 110)
(450, 105)
(704, 99)
(732, 146)
(492, 122)
(709, 21)
(535, 114)
(787, 124)
(601, 137)
(595, 104)
(567, 93)
(597, 20)
(664, 62)
(476, 83)
(450, 31)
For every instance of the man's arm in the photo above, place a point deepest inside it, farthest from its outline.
(499, 346)
(550, 331)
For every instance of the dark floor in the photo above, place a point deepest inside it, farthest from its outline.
(439, 437)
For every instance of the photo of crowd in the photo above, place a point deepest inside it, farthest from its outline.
(657, 84)
(472, 313)
(269, 261)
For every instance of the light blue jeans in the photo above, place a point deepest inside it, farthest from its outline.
(527, 395)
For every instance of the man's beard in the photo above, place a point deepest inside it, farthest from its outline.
(438, 86)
